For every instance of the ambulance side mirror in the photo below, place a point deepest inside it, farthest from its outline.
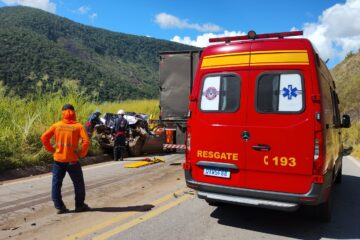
(345, 123)
(347, 151)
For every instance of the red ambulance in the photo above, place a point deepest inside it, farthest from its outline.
(264, 127)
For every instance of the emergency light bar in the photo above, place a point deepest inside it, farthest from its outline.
(252, 35)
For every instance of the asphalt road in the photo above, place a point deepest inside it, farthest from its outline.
(153, 203)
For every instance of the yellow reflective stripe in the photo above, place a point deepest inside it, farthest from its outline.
(280, 51)
(226, 54)
(279, 57)
(257, 58)
(279, 64)
(226, 60)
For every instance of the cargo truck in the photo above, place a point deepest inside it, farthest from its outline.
(177, 72)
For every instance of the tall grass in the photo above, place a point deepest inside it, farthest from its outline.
(22, 121)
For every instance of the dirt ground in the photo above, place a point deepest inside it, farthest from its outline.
(108, 193)
(37, 170)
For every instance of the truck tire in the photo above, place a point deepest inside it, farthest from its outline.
(137, 146)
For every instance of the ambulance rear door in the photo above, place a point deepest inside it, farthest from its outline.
(280, 125)
(217, 122)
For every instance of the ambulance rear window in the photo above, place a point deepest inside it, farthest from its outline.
(280, 92)
(220, 93)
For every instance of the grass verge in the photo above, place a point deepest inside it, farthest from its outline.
(23, 120)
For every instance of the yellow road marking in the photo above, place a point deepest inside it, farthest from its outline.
(120, 217)
(143, 218)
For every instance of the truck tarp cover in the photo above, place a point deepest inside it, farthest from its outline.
(176, 73)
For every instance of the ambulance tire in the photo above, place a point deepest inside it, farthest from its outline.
(338, 178)
(214, 203)
(323, 211)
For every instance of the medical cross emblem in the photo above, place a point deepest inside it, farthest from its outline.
(211, 93)
(290, 92)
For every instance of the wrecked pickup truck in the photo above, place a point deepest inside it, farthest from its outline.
(139, 140)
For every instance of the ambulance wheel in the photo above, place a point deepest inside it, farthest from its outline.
(338, 178)
(323, 211)
(214, 203)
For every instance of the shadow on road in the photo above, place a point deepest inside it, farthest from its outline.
(300, 224)
(141, 208)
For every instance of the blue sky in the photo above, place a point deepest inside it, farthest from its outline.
(332, 25)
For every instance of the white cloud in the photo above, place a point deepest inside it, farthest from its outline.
(45, 5)
(334, 35)
(169, 21)
(83, 9)
(93, 16)
(203, 40)
(337, 31)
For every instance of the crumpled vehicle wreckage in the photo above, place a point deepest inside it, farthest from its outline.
(139, 138)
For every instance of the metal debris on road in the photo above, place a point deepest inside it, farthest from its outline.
(145, 162)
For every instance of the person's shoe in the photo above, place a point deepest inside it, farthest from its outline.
(62, 210)
(83, 208)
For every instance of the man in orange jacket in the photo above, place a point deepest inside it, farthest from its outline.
(67, 133)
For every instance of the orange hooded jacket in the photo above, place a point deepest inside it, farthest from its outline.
(67, 134)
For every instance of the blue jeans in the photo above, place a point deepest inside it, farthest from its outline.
(59, 170)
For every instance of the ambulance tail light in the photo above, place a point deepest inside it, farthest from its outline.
(318, 165)
(188, 142)
(187, 165)
(316, 149)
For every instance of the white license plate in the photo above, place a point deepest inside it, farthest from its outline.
(217, 172)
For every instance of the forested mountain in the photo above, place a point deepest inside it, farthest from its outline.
(347, 79)
(43, 52)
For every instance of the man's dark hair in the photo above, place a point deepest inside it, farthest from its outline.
(68, 106)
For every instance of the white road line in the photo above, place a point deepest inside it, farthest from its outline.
(355, 161)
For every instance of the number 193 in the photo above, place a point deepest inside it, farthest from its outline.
(280, 161)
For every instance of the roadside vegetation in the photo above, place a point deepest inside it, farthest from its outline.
(347, 79)
(352, 138)
(40, 48)
(23, 120)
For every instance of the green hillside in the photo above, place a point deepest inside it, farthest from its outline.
(347, 79)
(40, 51)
